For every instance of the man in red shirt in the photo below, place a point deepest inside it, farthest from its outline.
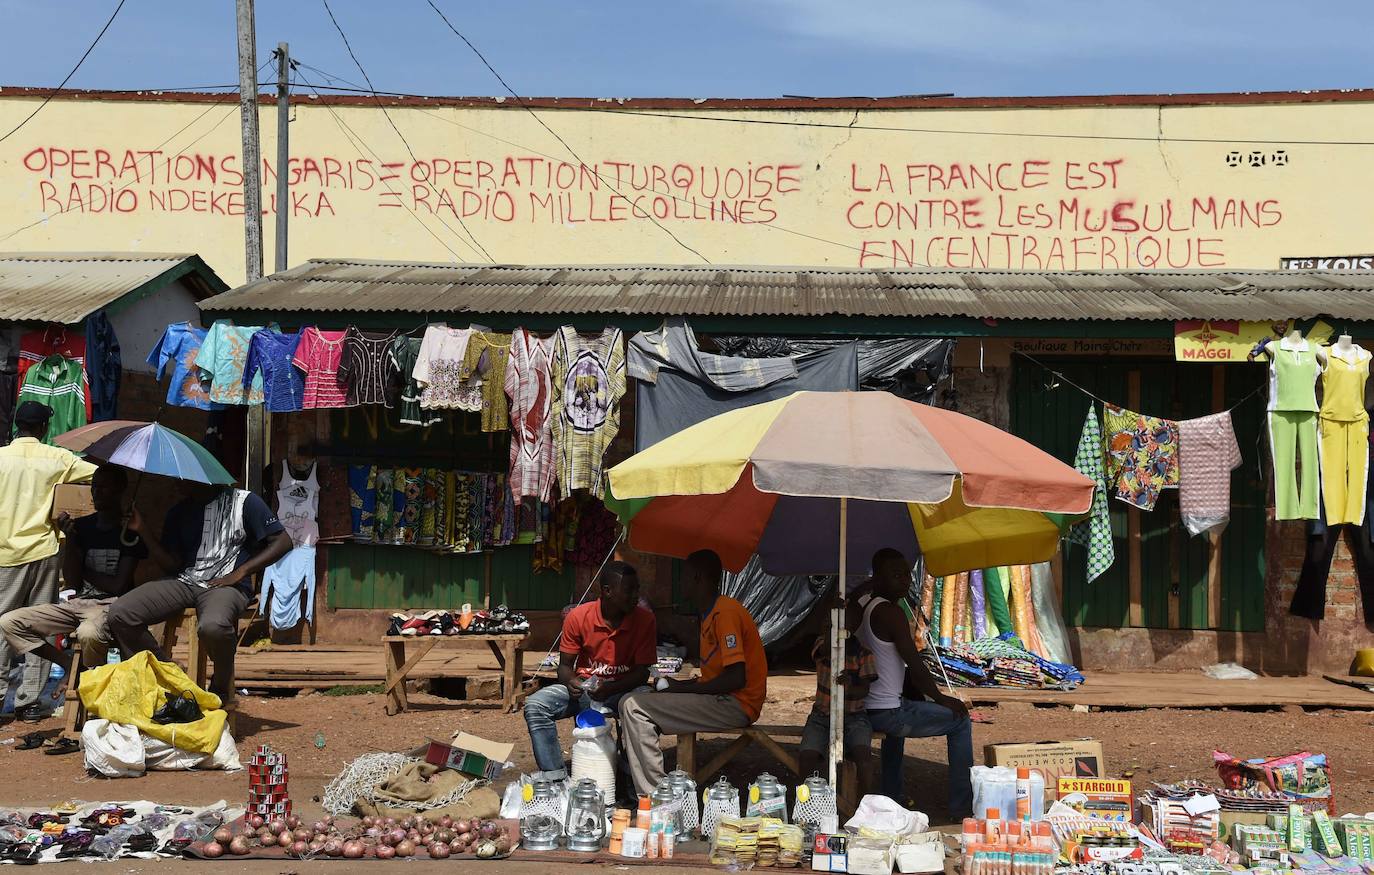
(607, 648)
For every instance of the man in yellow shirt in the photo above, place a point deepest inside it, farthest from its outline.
(30, 567)
(728, 695)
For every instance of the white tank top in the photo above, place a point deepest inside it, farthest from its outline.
(885, 692)
(298, 506)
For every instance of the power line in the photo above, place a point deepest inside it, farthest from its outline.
(520, 100)
(69, 75)
(475, 242)
(361, 147)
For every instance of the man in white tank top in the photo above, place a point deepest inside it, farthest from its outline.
(904, 702)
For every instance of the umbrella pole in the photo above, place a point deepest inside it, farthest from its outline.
(838, 633)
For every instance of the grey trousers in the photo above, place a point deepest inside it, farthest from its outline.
(644, 717)
(33, 583)
(217, 622)
(27, 628)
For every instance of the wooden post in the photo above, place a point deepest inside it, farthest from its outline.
(1214, 539)
(283, 210)
(1135, 613)
(252, 214)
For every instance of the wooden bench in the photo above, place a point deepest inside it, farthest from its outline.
(764, 736)
(508, 649)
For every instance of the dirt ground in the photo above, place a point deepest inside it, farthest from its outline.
(1154, 745)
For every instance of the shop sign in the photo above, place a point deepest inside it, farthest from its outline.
(1329, 262)
(1221, 340)
(1111, 346)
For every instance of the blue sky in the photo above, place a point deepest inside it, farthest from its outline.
(730, 48)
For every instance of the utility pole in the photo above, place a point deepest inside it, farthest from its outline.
(252, 215)
(283, 151)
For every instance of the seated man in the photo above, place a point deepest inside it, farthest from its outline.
(904, 701)
(856, 674)
(606, 650)
(214, 541)
(728, 695)
(99, 565)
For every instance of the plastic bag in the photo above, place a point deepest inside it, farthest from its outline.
(993, 787)
(881, 814)
(114, 750)
(110, 844)
(198, 828)
(163, 757)
(1054, 636)
(1229, 671)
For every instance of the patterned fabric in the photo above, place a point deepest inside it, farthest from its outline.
(588, 381)
(385, 525)
(597, 530)
(1142, 453)
(59, 383)
(223, 357)
(486, 359)
(1207, 454)
(439, 371)
(401, 385)
(179, 346)
(460, 520)
(548, 556)
(409, 486)
(858, 674)
(318, 355)
(269, 365)
(335, 504)
(431, 484)
(362, 501)
(531, 445)
(363, 367)
(1095, 532)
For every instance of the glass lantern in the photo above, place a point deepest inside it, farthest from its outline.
(722, 800)
(815, 800)
(767, 798)
(541, 823)
(585, 823)
(686, 789)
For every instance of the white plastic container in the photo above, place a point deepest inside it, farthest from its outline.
(633, 842)
(593, 756)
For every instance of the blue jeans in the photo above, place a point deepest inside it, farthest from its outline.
(921, 719)
(544, 709)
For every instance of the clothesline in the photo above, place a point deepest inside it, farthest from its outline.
(1063, 379)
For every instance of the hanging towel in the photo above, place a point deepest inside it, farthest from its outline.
(1207, 454)
(1095, 532)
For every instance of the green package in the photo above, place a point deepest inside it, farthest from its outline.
(1297, 830)
(1325, 833)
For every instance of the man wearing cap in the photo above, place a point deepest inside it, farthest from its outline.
(30, 568)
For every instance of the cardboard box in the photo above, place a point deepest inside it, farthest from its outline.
(1229, 820)
(1106, 798)
(1080, 758)
(470, 755)
(72, 499)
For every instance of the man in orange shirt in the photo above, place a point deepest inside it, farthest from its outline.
(728, 695)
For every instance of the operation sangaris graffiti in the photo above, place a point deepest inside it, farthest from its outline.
(1133, 185)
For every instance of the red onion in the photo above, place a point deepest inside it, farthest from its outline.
(487, 830)
(413, 835)
(408, 823)
(461, 826)
(253, 820)
(318, 826)
(426, 840)
(395, 836)
(301, 834)
(213, 849)
(298, 849)
(333, 848)
(373, 832)
(444, 835)
(367, 821)
(353, 850)
(238, 846)
(223, 835)
(385, 852)
(458, 848)
(277, 826)
(329, 820)
(439, 851)
(292, 822)
(285, 839)
(317, 846)
(466, 838)
(405, 848)
(426, 827)
(445, 821)
(503, 843)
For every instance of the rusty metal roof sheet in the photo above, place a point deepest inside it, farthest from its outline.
(67, 287)
(351, 286)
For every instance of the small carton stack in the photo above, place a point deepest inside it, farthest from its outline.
(267, 777)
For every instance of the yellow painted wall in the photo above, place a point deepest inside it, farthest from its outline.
(121, 175)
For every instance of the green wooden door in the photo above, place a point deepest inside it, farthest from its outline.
(1173, 566)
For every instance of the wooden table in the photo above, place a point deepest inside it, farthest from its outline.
(510, 655)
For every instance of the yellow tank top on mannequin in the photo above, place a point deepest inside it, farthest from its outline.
(1343, 387)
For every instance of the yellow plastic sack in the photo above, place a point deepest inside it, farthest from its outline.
(130, 691)
(1363, 665)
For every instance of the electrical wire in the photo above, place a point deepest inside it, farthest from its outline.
(69, 75)
(476, 244)
(520, 100)
(362, 147)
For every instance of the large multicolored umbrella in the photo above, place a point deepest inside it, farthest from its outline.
(147, 447)
(771, 479)
(819, 481)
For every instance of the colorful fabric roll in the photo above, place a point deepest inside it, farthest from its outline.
(977, 604)
(947, 589)
(995, 593)
(961, 614)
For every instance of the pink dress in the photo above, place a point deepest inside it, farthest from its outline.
(318, 355)
(531, 444)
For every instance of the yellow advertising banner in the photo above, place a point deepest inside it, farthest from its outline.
(1221, 340)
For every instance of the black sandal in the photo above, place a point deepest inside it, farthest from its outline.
(31, 741)
(63, 745)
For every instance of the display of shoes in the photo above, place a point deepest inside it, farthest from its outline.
(500, 620)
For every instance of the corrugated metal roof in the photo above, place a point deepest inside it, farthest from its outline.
(67, 287)
(348, 286)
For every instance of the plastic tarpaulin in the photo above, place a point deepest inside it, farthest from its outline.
(912, 367)
(128, 692)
